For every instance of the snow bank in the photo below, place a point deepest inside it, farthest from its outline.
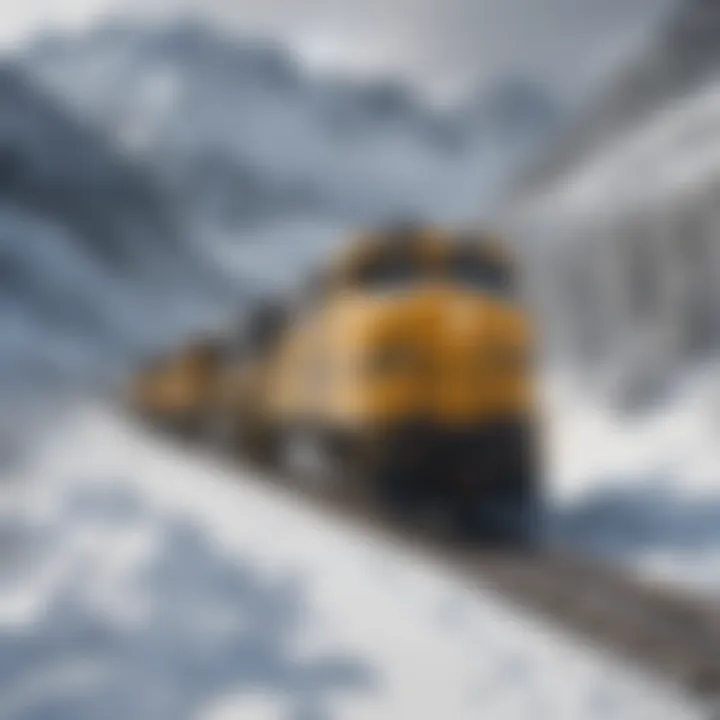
(644, 491)
(149, 583)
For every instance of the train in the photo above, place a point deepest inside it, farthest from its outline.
(179, 391)
(404, 366)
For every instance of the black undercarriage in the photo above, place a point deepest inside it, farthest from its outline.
(484, 480)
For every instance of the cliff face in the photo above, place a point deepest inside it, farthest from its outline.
(682, 56)
(621, 220)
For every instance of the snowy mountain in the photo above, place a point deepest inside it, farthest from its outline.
(242, 134)
(64, 171)
(620, 220)
(88, 243)
(683, 56)
(150, 174)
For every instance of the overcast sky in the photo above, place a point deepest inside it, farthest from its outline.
(445, 46)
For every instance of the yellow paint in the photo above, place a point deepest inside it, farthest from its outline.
(434, 351)
(179, 388)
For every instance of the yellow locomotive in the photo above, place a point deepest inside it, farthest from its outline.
(406, 364)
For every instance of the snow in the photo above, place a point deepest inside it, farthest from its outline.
(244, 131)
(280, 254)
(68, 317)
(143, 580)
(677, 149)
(643, 491)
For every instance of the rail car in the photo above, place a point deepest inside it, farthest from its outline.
(179, 391)
(405, 365)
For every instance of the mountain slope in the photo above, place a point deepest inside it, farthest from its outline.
(88, 244)
(682, 56)
(146, 171)
(242, 134)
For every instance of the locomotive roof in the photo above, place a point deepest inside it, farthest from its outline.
(420, 239)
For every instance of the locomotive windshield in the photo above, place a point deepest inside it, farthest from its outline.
(477, 270)
(406, 261)
(396, 269)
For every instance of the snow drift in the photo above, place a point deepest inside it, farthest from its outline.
(152, 584)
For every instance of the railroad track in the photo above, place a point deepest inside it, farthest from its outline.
(674, 637)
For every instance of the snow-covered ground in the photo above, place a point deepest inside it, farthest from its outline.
(139, 580)
(643, 491)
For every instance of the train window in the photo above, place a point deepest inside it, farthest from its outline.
(477, 271)
(388, 271)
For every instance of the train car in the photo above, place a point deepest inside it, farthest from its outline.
(239, 420)
(406, 366)
(179, 391)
